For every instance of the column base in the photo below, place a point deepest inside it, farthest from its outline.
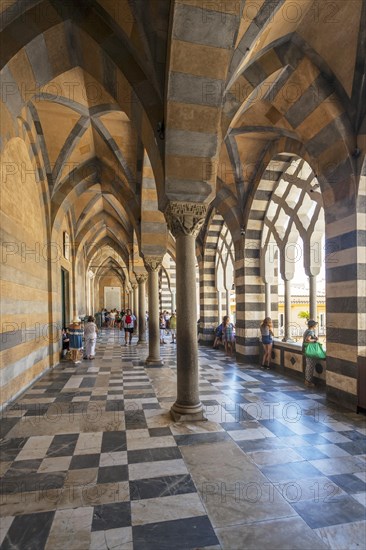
(154, 362)
(186, 413)
(141, 341)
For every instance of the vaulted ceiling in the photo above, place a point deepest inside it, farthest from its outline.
(208, 92)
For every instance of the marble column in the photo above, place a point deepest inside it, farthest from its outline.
(184, 221)
(173, 302)
(312, 266)
(141, 318)
(267, 266)
(313, 306)
(130, 298)
(267, 291)
(287, 269)
(287, 320)
(124, 296)
(219, 306)
(228, 302)
(152, 266)
(130, 303)
(135, 290)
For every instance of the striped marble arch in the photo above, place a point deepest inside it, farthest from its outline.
(137, 129)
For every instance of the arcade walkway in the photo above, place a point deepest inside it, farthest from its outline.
(91, 459)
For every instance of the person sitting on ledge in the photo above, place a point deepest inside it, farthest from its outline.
(218, 337)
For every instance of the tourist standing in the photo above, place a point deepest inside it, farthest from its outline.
(75, 333)
(310, 362)
(162, 327)
(173, 327)
(267, 341)
(128, 322)
(90, 336)
(112, 318)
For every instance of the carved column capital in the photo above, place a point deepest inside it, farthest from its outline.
(141, 278)
(185, 218)
(153, 263)
(134, 286)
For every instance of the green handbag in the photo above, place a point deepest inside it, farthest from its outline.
(314, 350)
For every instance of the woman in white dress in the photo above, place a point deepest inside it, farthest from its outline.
(90, 336)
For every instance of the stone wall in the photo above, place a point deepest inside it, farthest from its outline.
(25, 316)
(287, 357)
(108, 280)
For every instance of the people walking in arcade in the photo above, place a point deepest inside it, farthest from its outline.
(128, 322)
(90, 336)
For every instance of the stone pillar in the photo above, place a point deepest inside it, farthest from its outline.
(313, 297)
(173, 302)
(219, 305)
(132, 301)
(312, 266)
(135, 289)
(152, 265)
(184, 221)
(267, 267)
(287, 268)
(92, 297)
(141, 318)
(287, 320)
(267, 291)
(228, 302)
(128, 299)
(124, 296)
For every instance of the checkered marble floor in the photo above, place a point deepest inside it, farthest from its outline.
(91, 459)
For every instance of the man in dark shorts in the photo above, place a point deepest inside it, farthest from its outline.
(128, 322)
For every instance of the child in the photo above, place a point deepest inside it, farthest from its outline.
(218, 336)
(228, 335)
(65, 342)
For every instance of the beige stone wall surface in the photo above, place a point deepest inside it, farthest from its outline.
(24, 282)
